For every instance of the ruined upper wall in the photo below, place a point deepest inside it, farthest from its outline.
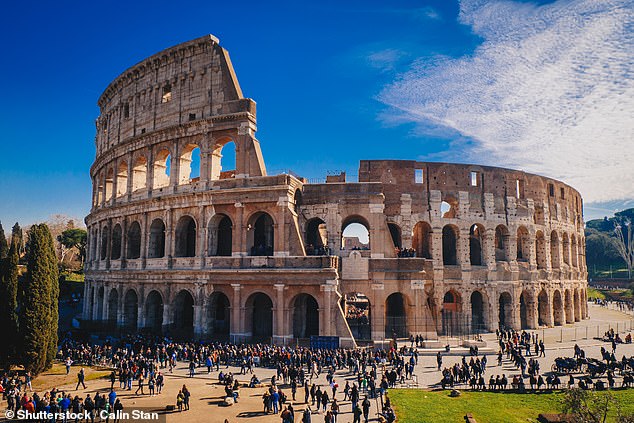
(191, 81)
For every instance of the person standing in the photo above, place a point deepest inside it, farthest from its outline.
(366, 409)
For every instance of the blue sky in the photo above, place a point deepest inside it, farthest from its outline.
(537, 86)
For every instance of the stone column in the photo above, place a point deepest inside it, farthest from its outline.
(130, 181)
(239, 237)
(279, 331)
(167, 317)
(237, 314)
(144, 239)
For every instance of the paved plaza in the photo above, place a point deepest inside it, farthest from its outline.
(207, 394)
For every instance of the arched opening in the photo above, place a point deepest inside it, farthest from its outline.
(157, 239)
(162, 169)
(523, 311)
(113, 308)
(558, 309)
(568, 307)
(577, 305)
(421, 240)
(475, 245)
(223, 160)
(130, 311)
(100, 294)
(115, 251)
(154, 312)
(452, 314)
(543, 309)
(261, 234)
(356, 307)
(134, 241)
(449, 245)
(523, 244)
(355, 234)
(259, 314)
(220, 232)
(554, 250)
(477, 313)
(501, 243)
(395, 316)
(139, 174)
(540, 250)
(565, 243)
(395, 233)
(104, 242)
(122, 178)
(305, 316)
(189, 166)
(218, 316)
(183, 326)
(109, 183)
(505, 311)
(316, 237)
(185, 245)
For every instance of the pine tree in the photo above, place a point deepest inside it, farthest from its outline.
(39, 301)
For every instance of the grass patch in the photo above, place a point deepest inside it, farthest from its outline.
(56, 376)
(594, 293)
(412, 405)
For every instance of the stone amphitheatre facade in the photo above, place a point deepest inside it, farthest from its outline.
(181, 243)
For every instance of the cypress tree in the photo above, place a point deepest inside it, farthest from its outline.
(38, 310)
(9, 317)
(4, 246)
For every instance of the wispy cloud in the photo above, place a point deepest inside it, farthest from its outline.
(550, 90)
(385, 60)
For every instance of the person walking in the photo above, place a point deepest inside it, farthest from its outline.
(80, 379)
(140, 385)
(366, 409)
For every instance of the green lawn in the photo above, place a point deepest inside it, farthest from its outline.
(412, 405)
(595, 293)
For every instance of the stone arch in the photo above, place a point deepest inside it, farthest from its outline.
(395, 234)
(183, 315)
(316, 237)
(396, 316)
(122, 178)
(540, 250)
(218, 315)
(261, 234)
(422, 240)
(162, 169)
(139, 174)
(476, 244)
(577, 305)
(569, 307)
(505, 310)
(450, 245)
(104, 242)
(565, 243)
(189, 164)
(185, 242)
(223, 159)
(543, 309)
(554, 250)
(478, 309)
(134, 241)
(130, 310)
(305, 311)
(154, 306)
(259, 316)
(526, 310)
(558, 309)
(99, 306)
(113, 307)
(156, 247)
(349, 243)
(115, 249)
(220, 236)
(501, 243)
(452, 313)
(523, 244)
(358, 312)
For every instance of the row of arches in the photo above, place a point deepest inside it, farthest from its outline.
(154, 171)
(260, 238)
(130, 313)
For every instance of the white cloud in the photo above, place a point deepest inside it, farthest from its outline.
(550, 90)
(385, 60)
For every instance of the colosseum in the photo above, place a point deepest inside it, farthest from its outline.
(184, 244)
